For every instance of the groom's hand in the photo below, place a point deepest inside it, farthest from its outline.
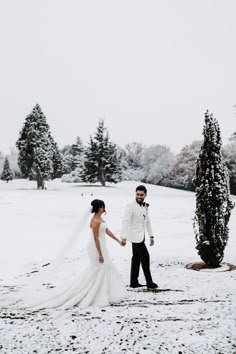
(123, 242)
(151, 241)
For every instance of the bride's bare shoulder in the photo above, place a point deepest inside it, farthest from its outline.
(95, 223)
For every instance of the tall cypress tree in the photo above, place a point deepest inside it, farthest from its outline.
(213, 204)
(35, 146)
(7, 174)
(102, 162)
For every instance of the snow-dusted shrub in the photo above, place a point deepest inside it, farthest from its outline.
(172, 181)
(73, 177)
(133, 174)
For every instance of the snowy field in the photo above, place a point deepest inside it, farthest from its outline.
(194, 312)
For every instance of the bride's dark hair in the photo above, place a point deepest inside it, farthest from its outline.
(96, 204)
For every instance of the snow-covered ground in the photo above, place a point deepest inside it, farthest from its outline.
(194, 312)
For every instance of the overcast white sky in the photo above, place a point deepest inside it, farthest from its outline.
(150, 68)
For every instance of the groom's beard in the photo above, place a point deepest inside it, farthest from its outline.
(140, 200)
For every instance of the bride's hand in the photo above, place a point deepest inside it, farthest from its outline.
(101, 259)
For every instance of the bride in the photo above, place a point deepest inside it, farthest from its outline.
(100, 284)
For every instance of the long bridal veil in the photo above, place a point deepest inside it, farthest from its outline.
(57, 272)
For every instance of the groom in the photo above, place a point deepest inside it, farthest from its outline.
(135, 221)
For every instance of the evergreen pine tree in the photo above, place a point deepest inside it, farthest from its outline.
(213, 204)
(35, 147)
(7, 174)
(57, 160)
(102, 162)
(74, 157)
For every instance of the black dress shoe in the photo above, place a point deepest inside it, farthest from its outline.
(152, 286)
(136, 285)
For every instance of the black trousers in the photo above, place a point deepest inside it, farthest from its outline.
(140, 255)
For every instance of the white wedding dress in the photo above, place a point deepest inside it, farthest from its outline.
(99, 284)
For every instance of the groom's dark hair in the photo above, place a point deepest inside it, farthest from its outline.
(141, 188)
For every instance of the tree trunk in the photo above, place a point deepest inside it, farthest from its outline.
(40, 182)
(103, 181)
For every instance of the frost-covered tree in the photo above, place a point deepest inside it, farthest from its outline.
(7, 174)
(35, 148)
(13, 161)
(65, 150)
(132, 168)
(157, 162)
(73, 162)
(56, 158)
(73, 156)
(133, 154)
(147, 164)
(233, 137)
(213, 204)
(229, 153)
(102, 162)
(185, 165)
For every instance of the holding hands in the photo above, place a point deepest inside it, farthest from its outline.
(123, 242)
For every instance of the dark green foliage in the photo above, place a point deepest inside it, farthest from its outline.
(56, 158)
(38, 154)
(213, 204)
(7, 174)
(102, 163)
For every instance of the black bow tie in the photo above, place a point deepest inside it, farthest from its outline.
(142, 204)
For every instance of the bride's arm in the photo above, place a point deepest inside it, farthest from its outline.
(95, 229)
(112, 236)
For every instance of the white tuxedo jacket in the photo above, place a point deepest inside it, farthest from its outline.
(135, 222)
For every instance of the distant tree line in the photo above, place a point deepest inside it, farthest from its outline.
(158, 165)
(154, 164)
(38, 157)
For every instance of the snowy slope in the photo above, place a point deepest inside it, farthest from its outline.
(196, 313)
